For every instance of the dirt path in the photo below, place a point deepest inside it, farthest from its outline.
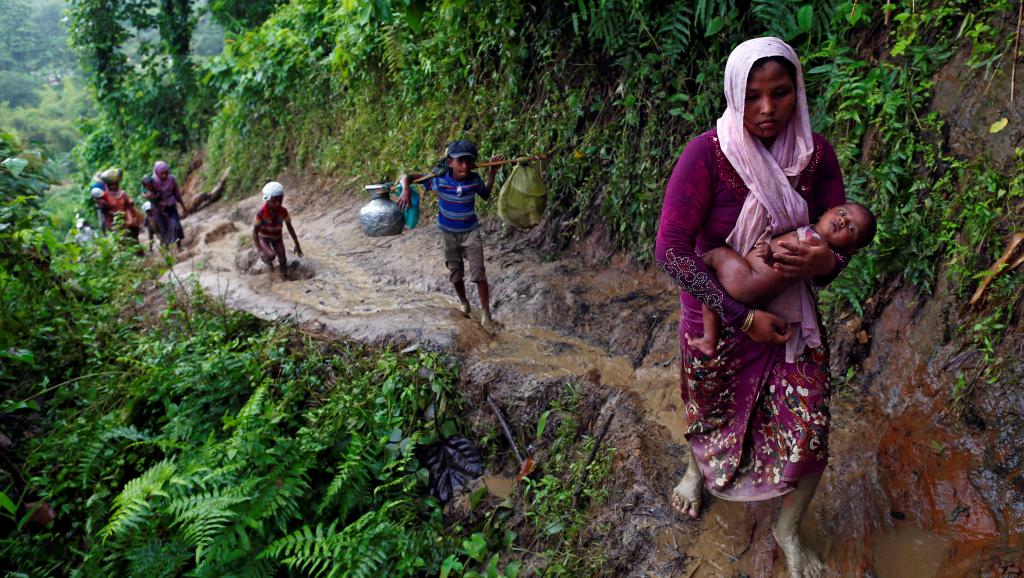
(588, 317)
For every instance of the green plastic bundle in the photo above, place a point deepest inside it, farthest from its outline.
(523, 197)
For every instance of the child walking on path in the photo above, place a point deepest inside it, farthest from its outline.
(151, 224)
(752, 279)
(456, 191)
(266, 230)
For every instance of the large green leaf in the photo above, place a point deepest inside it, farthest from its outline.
(15, 165)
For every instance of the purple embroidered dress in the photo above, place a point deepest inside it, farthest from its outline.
(756, 424)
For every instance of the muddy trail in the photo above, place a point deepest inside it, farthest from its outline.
(891, 504)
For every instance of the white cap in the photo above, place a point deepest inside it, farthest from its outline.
(146, 206)
(272, 189)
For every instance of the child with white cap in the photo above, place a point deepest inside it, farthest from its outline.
(150, 223)
(266, 230)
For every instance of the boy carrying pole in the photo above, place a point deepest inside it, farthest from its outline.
(457, 190)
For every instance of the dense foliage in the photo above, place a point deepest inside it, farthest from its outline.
(172, 436)
(34, 49)
(149, 431)
(616, 90)
(41, 96)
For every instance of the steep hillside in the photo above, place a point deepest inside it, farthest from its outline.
(921, 103)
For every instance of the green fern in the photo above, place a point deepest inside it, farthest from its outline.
(202, 516)
(304, 549)
(133, 504)
(157, 559)
(352, 480)
(254, 406)
(279, 493)
(363, 549)
(100, 445)
(394, 51)
(674, 30)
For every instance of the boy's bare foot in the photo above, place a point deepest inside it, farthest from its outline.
(465, 308)
(686, 496)
(703, 344)
(486, 322)
(801, 561)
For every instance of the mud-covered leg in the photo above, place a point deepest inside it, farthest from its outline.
(485, 303)
(282, 258)
(801, 561)
(686, 496)
(460, 290)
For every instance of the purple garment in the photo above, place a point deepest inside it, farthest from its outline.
(168, 191)
(170, 227)
(756, 423)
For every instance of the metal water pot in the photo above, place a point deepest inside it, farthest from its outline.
(381, 217)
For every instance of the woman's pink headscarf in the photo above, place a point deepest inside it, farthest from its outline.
(159, 167)
(770, 176)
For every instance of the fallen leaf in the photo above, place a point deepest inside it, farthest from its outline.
(526, 470)
(998, 125)
(452, 464)
(862, 337)
(854, 325)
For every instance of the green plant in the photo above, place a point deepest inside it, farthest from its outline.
(190, 439)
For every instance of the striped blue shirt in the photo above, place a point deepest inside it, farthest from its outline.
(456, 201)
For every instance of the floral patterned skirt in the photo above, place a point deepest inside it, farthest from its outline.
(756, 424)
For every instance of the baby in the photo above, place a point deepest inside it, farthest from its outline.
(751, 279)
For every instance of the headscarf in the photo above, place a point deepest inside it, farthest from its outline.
(164, 187)
(159, 167)
(770, 176)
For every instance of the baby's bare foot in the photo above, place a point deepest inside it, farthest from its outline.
(763, 251)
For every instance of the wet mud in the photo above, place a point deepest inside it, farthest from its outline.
(909, 492)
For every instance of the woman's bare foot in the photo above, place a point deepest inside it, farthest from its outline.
(703, 344)
(465, 308)
(801, 561)
(686, 496)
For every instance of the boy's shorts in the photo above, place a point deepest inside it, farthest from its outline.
(459, 246)
(270, 248)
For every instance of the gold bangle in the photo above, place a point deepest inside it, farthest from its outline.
(748, 321)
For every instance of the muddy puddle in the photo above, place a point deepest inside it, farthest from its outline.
(613, 327)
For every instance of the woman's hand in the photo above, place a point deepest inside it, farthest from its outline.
(768, 328)
(806, 259)
(298, 250)
(493, 170)
(405, 200)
